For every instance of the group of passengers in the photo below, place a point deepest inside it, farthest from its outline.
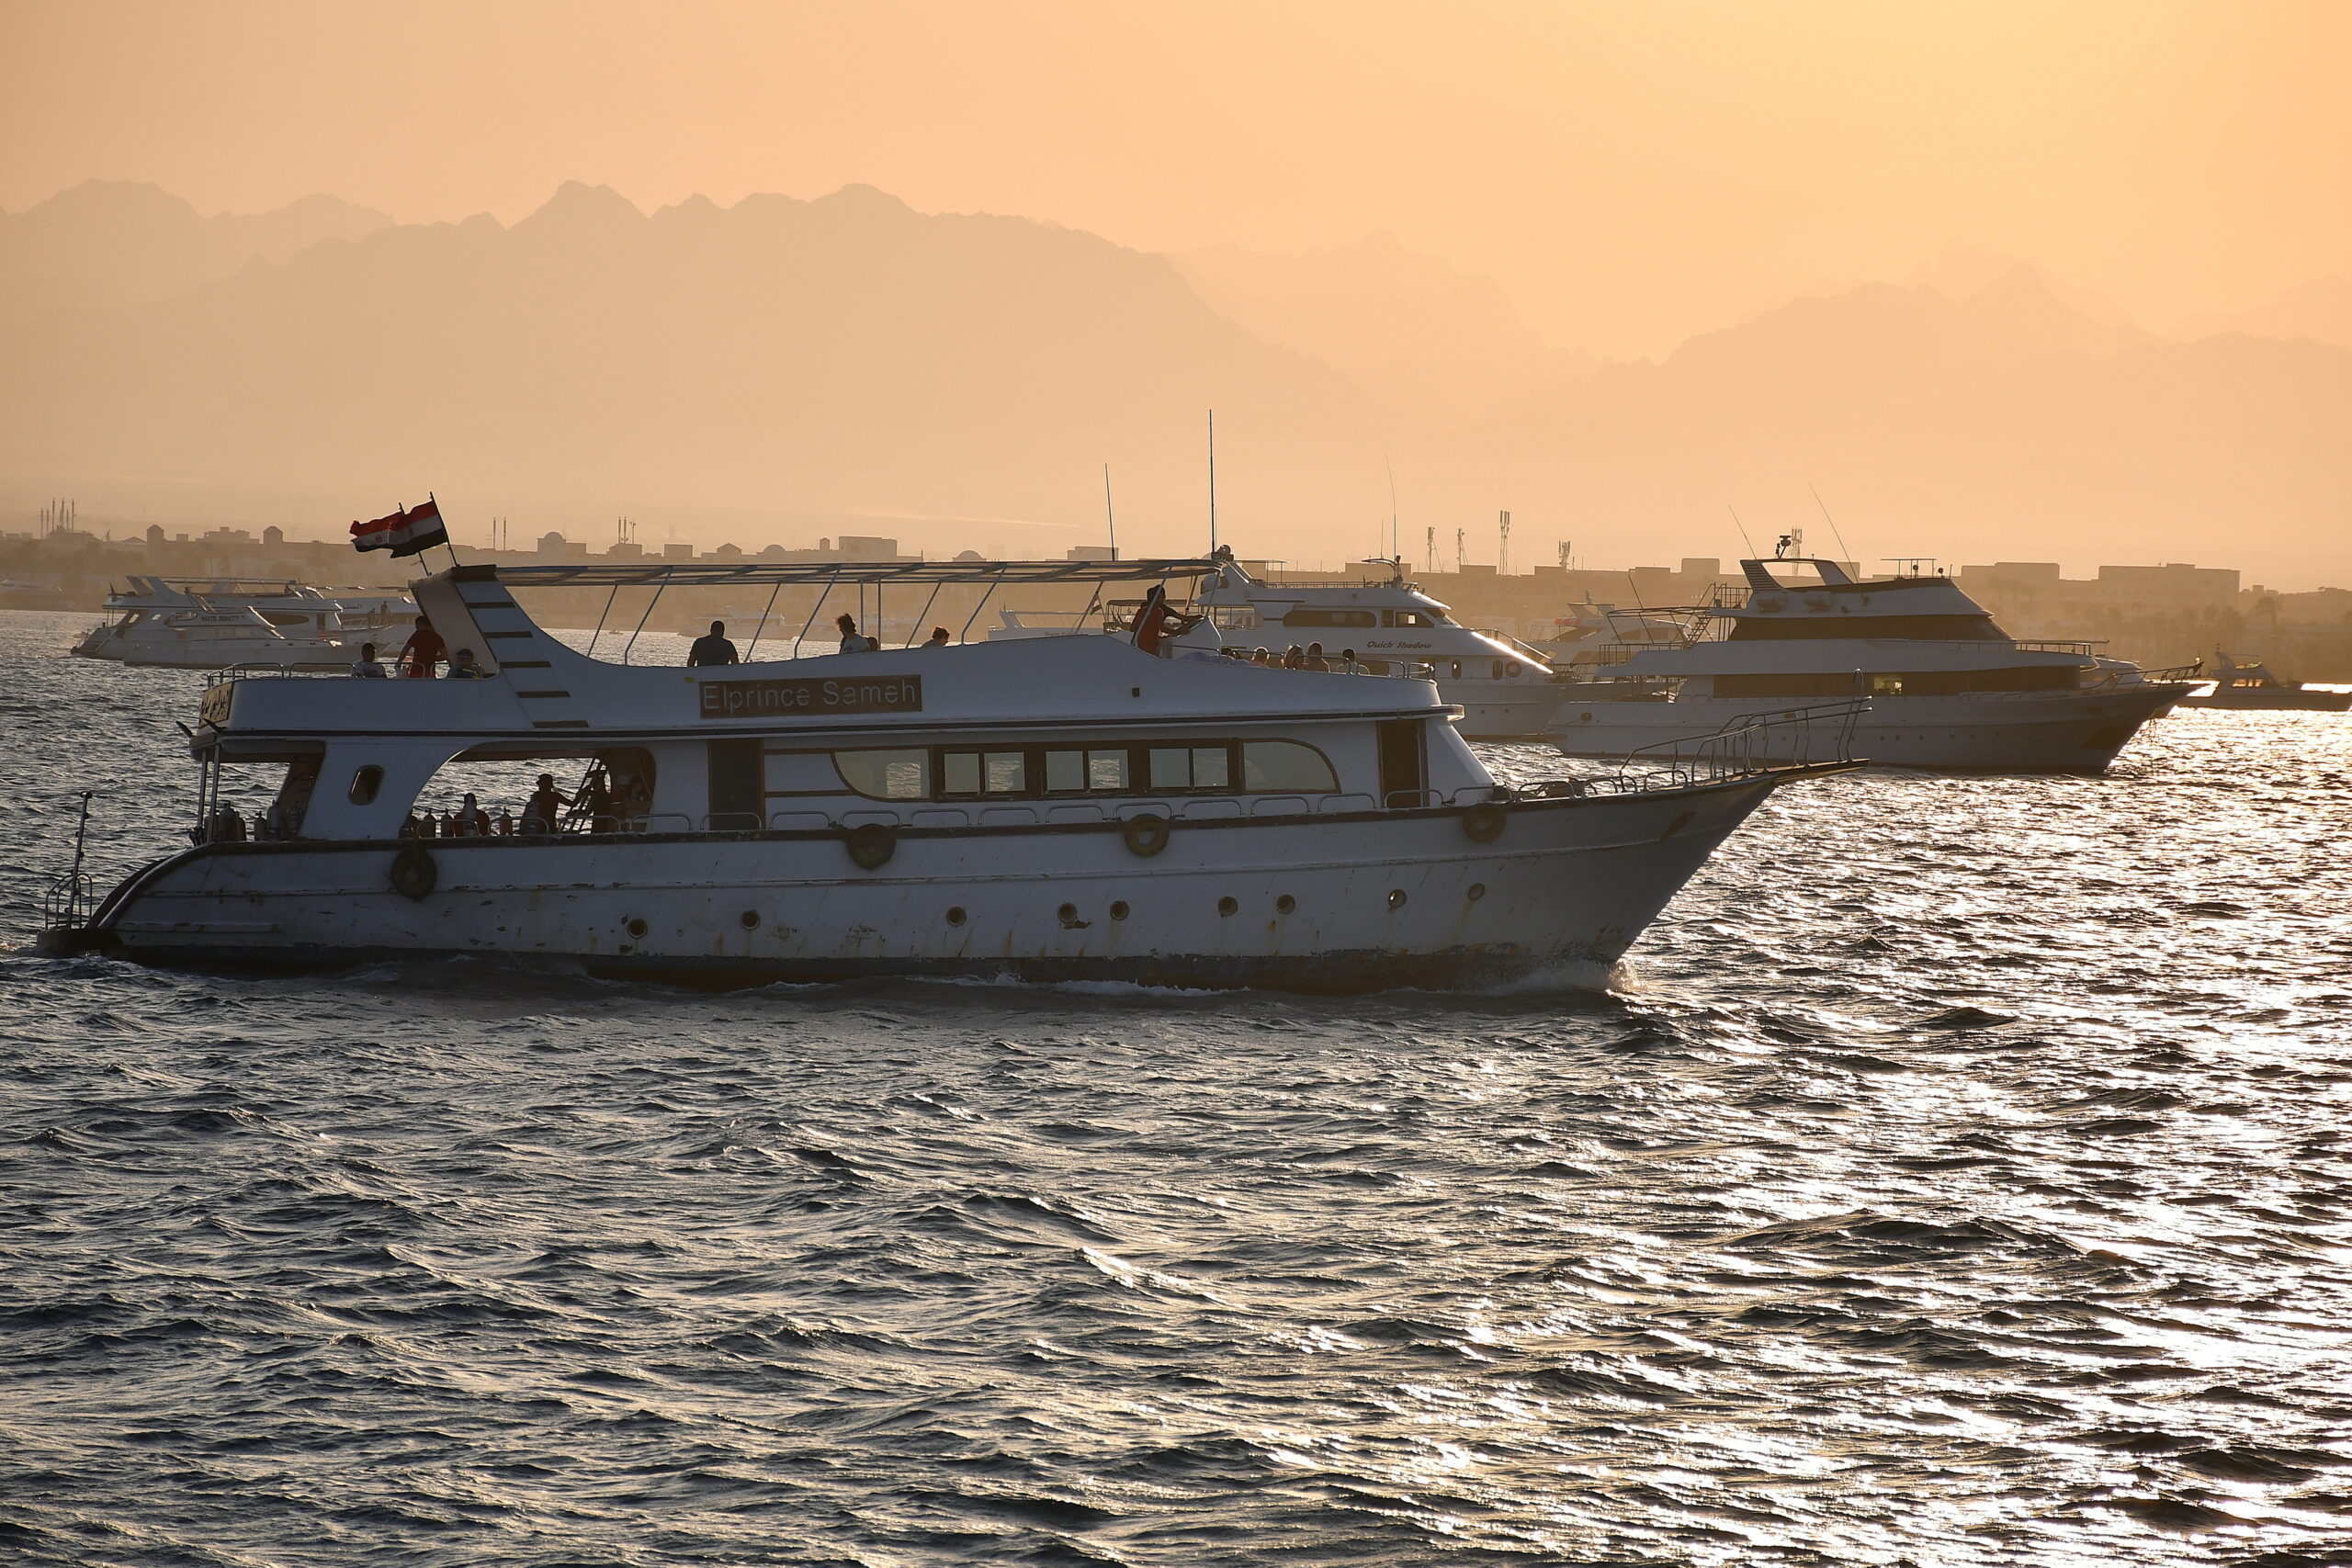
(595, 807)
(1311, 657)
(423, 655)
(420, 658)
(715, 648)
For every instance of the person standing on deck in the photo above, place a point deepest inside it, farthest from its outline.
(423, 650)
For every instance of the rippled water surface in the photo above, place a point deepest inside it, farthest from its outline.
(1956, 1175)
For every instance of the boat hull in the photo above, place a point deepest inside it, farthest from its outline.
(1501, 710)
(2070, 732)
(1344, 903)
(307, 657)
(2288, 701)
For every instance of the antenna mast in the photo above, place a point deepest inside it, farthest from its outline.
(1502, 561)
(1211, 481)
(1110, 518)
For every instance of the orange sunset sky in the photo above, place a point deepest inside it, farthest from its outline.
(1631, 175)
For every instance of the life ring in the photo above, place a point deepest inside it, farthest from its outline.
(871, 845)
(414, 871)
(1482, 824)
(1146, 836)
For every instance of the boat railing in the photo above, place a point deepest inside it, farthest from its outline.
(68, 901)
(1755, 743)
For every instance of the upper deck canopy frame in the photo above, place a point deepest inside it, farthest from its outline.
(776, 576)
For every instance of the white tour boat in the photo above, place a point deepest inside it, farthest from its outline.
(1045, 808)
(220, 623)
(1503, 687)
(1947, 687)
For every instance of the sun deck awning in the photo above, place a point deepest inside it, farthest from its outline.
(723, 574)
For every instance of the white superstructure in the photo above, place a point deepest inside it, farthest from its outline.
(1947, 687)
(1049, 808)
(1504, 687)
(220, 623)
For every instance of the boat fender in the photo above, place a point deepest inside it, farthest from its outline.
(414, 871)
(1482, 824)
(1146, 836)
(871, 845)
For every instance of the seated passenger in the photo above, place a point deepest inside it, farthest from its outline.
(636, 804)
(1295, 658)
(938, 637)
(713, 648)
(368, 667)
(854, 640)
(1348, 665)
(1260, 656)
(463, 668)
(1314, 659)
(473, 822)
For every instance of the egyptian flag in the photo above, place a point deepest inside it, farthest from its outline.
(404, 532)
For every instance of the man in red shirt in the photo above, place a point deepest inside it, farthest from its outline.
(423, 650)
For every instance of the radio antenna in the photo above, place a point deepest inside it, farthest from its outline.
(1832, 521)
(1110, 518)
(1211, 481)
(1394, 548)
(1743, 532)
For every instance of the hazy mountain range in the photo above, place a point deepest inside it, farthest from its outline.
(756, 371)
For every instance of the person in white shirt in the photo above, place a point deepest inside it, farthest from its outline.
(366, 667)
(854, 640)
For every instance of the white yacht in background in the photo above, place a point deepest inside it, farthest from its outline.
(1150, 812)
(1947, 687)
(218, 623)
(1504, 687)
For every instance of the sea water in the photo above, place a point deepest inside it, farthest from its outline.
(1956, 1174)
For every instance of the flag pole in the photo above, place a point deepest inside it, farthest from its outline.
(449, 541)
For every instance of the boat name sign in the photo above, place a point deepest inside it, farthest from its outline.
(765, 699)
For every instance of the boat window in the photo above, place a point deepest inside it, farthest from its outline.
(1005, 772)
(1191, 767)
(1286, 764)
(889, 775)
(959, 773)
(1065, 771)
(1106, 769)
(364, 784)
(1330, 618)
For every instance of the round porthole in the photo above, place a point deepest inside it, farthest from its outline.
(634, 925)
(1396, 897)
(1069, 914)
(1119, 908)
(1285, 904)
(956, 915)
(1228, 906)
(751, 919)
(1478, 891)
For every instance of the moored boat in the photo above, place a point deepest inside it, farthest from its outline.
(2255, 687)
(1044, 808)
(222, 622)
(1947, 687)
